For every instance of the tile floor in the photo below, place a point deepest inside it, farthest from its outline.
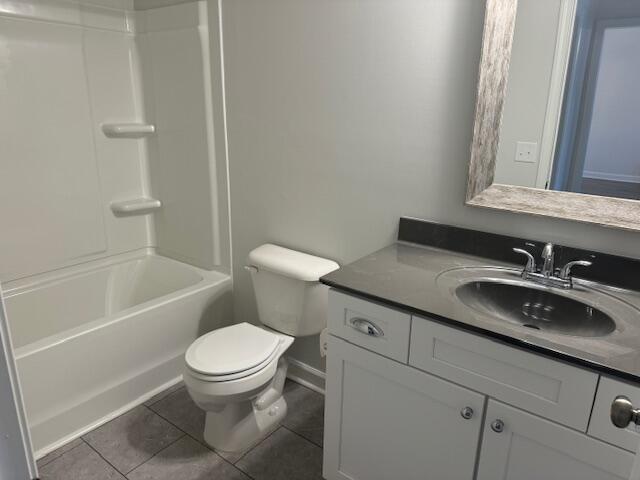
(162, 439)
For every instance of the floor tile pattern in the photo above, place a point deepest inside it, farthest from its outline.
(132, 438)
(162, 439)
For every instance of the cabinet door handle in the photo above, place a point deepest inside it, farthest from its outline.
(623, 413)
(497, 426)
(466, 413)
(367, 327)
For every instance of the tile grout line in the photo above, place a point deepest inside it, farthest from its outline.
(252, 449)
(178, 427)
(100, 455)
(124, 474)
(303, 437)
(182, 429)
(281, 425)
(256, 446)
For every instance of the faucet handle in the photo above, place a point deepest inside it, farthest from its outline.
(530, 267)
(565, 273)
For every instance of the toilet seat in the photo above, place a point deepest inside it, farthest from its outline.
(231, 387)
(232, 353)
(237, 375)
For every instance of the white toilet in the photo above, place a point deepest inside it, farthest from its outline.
(236, 374)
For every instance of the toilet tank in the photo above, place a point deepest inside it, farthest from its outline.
(289, 296)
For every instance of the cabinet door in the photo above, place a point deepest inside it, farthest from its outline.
(385, 420)
(601, 426)
(531, 448)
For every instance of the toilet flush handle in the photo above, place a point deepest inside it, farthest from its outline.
(251, 268)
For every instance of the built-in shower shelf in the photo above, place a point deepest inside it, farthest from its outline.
(135, 206)
(128, 130)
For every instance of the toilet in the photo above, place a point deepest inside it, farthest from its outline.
(236, 374)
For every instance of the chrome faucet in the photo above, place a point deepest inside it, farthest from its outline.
(547, 274)
(547, 257)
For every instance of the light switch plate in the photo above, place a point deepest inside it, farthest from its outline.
(526, 152)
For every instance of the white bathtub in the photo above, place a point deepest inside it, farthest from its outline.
(92, 341)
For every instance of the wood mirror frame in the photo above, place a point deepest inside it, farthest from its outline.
(499, 26)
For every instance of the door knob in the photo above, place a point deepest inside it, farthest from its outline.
(623, 413)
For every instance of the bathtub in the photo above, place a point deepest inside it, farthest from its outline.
(93, 341)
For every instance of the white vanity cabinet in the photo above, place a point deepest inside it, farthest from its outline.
(383, 417)
(517, 445)
(411, 398)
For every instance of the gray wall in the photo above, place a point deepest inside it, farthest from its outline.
(344, 115)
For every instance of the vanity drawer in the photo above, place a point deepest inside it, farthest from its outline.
(369, 325)
(552, 389)
(601, 426)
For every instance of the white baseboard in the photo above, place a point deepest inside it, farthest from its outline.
(306, 375)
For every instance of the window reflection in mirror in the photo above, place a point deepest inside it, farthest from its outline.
(571, 118)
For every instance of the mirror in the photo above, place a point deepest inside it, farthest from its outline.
(557, 127)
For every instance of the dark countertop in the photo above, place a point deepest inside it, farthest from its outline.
(422, 280)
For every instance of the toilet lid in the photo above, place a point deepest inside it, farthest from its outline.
(231, 349)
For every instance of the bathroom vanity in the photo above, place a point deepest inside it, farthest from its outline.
(418, 381)
(461, 355)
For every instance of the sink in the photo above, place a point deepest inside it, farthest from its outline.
(535, 308)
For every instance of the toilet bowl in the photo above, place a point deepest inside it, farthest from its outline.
(236, 374)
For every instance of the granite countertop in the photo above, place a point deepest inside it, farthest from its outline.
(421, 280)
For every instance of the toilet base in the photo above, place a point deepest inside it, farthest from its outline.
(239, 426)
(234, 427)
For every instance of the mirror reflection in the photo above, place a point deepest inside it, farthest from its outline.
(571, 118)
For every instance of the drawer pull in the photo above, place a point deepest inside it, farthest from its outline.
(366, 327)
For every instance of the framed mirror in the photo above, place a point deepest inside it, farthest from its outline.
(557, 127)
